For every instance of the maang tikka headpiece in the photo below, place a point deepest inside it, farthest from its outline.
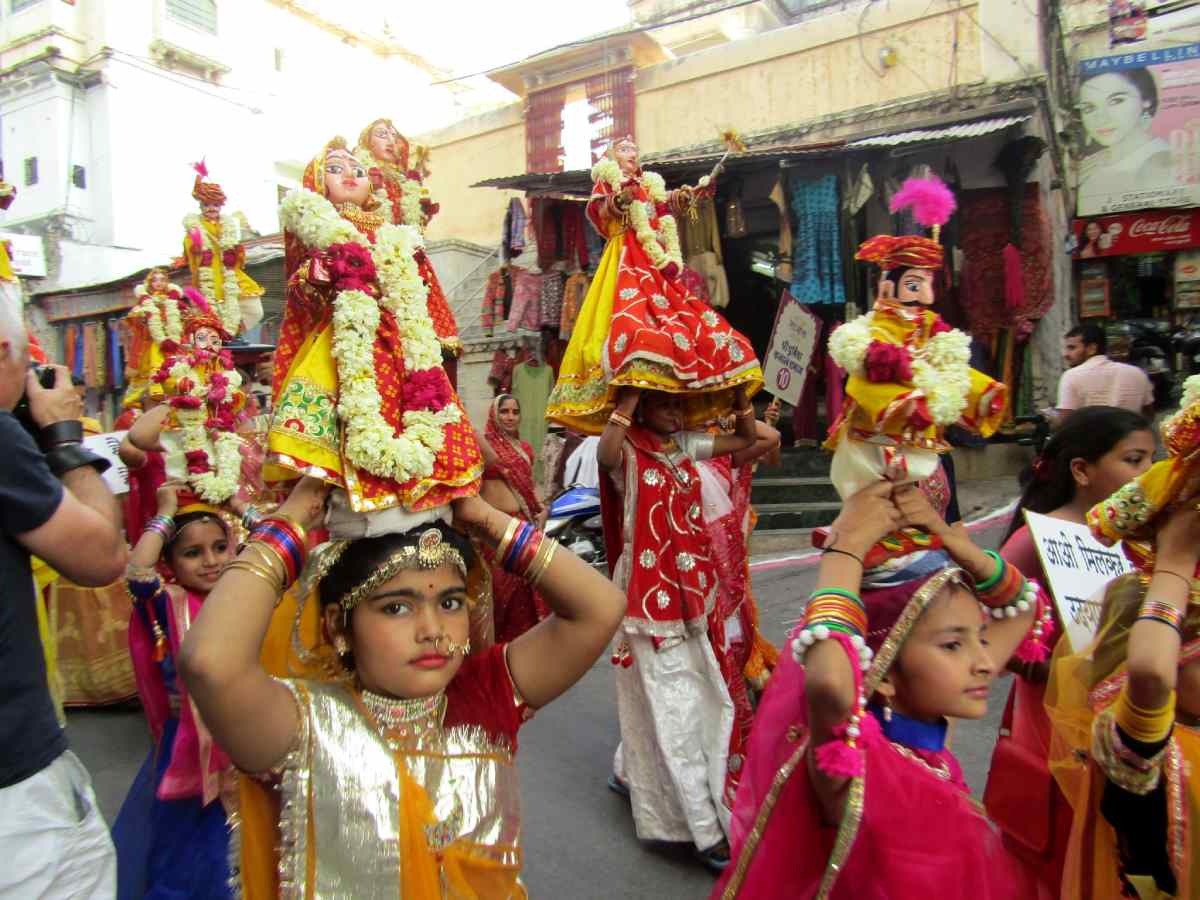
(431, 552)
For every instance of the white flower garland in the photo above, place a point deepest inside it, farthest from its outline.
(161, 312)
(1191, 392)
(941, 369)
(224, 451)
(229, 310)
(411, 212)
(662, 246)
(371, 443)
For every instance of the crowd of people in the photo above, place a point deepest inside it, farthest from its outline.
(344, 604)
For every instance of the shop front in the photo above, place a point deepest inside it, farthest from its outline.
(1138, 275)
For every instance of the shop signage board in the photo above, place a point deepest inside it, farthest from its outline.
(107, 445)
(1150, 231)
(1187, 280)
(27, 252)
(1139, 115)
(793, 339)
(1079, 569)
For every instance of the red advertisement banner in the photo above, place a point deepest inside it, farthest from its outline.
(1149, 231)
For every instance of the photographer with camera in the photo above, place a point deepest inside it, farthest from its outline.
(53, 504)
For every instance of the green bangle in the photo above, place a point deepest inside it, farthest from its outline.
(834, 625)
(996, 576)
(838, 592)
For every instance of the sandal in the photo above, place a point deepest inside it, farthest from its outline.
(618, 787)
(715, 858)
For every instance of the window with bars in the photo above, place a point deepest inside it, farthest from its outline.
(31, 171)
(200, 14)
(79, 177)
(18, 5)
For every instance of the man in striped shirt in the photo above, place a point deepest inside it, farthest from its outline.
(1095, 380)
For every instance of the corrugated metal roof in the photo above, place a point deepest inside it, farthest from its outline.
(949, 133)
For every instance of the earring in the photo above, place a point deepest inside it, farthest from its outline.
(341, 647)
(887, 711)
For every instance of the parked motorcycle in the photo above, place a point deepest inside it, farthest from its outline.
(1149, 344)
(576, 524)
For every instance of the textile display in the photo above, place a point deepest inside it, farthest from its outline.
(497, 298)
(525, 312)
(699, 231)
(532, 382)
(503, 362)
(985, 231)
(512, 236)
(716, 283)
(817, 253)
(550, 300)
(560, 227)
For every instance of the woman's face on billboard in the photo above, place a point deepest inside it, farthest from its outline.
(1111, 108)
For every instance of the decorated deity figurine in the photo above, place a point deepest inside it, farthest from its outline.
(910, 375)
(405, 200)
(360, 396)
(155, 329)
(215, 256)
(639, 325)
(203, 389)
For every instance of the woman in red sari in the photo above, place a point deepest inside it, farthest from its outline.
(508, 486)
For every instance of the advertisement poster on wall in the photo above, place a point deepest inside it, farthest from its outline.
(1139, 116)
(1128, 234)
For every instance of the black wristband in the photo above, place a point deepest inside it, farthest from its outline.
(65, 457)
(68, 431)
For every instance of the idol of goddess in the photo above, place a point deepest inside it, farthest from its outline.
(215, 256)
(203, 389)
(155, 329)
(405, 200)
(360, 397)
(639, 325)
(910, 375)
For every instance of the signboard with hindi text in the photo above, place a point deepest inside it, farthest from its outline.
(1079, 569)
(793, 339)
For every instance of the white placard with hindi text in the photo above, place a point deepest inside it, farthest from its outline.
(1079, 569)
(790, 350)
(106, 445)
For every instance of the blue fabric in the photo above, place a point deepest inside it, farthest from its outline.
(169, 849)
(817, 247)
(900, 729)
(116, 359)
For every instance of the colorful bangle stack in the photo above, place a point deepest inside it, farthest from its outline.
(833, 610)
(285, 538)
(1161, 611)
(619, 419)
(526, 552)
(163, 526)
(1006, 594)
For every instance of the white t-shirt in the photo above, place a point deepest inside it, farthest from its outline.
(582, 469)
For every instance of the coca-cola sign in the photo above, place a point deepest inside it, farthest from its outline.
(1149, 231)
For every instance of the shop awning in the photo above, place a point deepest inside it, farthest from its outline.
(785, 155)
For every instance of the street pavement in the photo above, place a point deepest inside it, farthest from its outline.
(579, 837)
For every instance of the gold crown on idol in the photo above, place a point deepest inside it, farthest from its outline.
(431, 552)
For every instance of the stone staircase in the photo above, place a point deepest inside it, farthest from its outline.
(796, 494)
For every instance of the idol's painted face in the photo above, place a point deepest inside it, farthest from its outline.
(346, 179)
(207, 339)
(385, 143)
(915, 286)
(627, 155)
(398, 635)
(1111, 108)
(944, 668)
(211, 211)
(158, 283)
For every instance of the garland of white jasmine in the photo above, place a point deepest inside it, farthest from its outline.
(652, 241)
(411, 212)
(229, 310)
(221, 481)
(161, 312)
(371, 443)
(941, 369)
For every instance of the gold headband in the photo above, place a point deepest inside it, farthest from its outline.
(431, 552)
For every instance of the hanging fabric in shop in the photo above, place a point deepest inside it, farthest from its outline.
(512, 236)
(574, 291)
(525, 312)
(503, 362)
(783, 269)
(89, 355)
(100, 339)
(550, 299)
(497, 298)
(116, 355)
(700, 232)
(532, 382)
(986, 230)
(708, 267)
(817, 255)
(561, 232)
(861, 189)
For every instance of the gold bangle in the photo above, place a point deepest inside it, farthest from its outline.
(270, 558)
(502, 547)
(245, 565)
(552, 544)
(741, 413)
(537, 563)
(618, 419)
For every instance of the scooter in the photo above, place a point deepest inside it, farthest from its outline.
(576, 524)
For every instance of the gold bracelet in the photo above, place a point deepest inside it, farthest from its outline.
(742, 413)
(245, 565)
(502, 548)
(533, 570)
(618, 419)
(552, 546)
(270, 557)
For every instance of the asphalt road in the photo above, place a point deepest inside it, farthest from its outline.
(579, 839)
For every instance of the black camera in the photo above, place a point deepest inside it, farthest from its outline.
(21, 412)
